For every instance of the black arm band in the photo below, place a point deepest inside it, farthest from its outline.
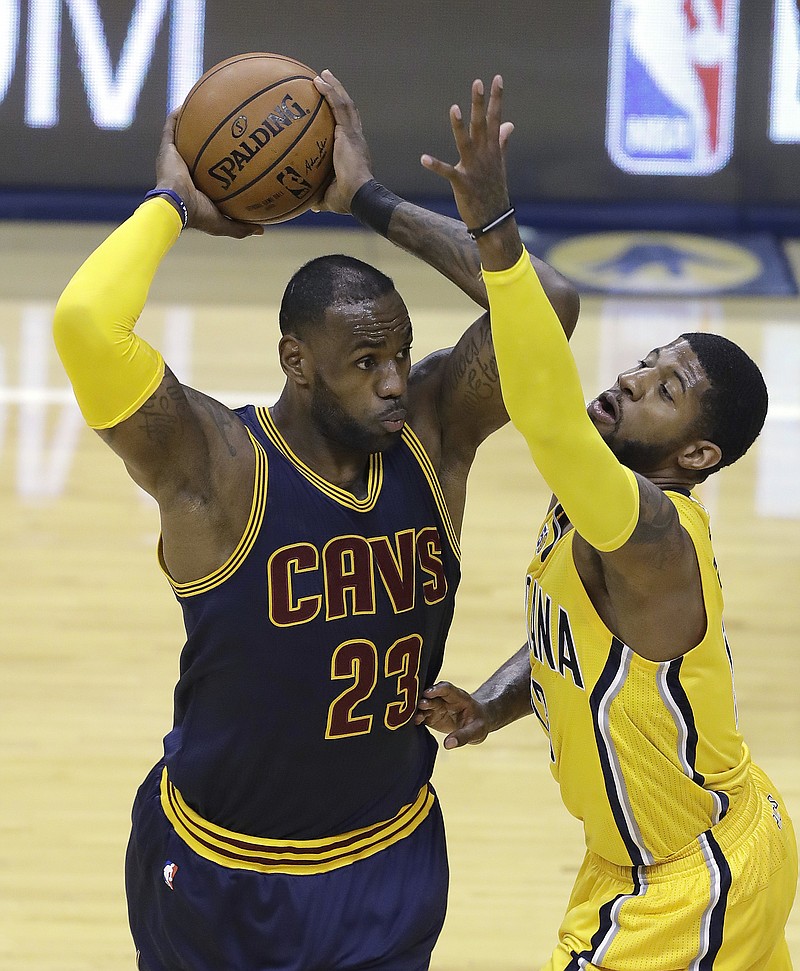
(373, 206)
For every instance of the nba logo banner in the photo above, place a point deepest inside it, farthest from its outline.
(672, 85)
(784, 123)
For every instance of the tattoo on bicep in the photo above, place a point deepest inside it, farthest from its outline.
(163, 415)
(657, 516)
(473, 368)
(220, 416)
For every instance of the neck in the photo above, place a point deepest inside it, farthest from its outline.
(342, 467)
(670, 480)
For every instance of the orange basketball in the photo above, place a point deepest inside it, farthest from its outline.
(258, 137)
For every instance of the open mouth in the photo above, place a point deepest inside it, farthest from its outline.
(605, 408)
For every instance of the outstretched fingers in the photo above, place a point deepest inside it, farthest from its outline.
(478, 177)
(485, 127)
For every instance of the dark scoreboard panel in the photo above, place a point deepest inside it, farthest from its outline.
(614, 101)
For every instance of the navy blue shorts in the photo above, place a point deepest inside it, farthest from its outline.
(190, 914)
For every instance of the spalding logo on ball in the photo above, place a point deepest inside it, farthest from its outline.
(258, 137)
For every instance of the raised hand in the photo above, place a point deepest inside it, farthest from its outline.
(172, 173)
(351, 159)
(478, 179)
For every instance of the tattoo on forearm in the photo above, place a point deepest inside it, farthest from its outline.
(442, 243)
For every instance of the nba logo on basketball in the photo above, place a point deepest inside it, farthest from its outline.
(671, 85)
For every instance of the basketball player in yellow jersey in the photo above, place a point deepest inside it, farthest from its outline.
(691, 858)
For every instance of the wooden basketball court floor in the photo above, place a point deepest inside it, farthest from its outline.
(90, 633)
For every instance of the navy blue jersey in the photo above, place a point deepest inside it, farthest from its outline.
(306, 651)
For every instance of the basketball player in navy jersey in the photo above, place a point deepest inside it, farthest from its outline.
(313, 547)
(691, 859)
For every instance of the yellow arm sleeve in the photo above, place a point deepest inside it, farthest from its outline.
(113, 372)
(544, 399)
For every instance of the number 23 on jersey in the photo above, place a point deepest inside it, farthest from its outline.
(358, 661)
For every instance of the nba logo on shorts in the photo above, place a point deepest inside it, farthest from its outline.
(170, 869)
(671, 85)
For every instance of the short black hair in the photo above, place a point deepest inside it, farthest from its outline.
(326, 280)
(735, 406)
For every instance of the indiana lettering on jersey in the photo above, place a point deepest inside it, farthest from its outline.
(550, 638)
(343, 575)
(281, 117)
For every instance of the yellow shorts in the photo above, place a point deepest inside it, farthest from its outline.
(721, 903)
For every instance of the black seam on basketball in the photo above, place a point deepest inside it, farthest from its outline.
(276, 162)
(212, 72)
(241, 107)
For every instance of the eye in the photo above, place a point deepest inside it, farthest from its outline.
(365, 363)
(405, 354)
(665, 392)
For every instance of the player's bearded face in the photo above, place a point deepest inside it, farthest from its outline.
(338, 424)
(361, 361)
(644, 449)
(654, 409)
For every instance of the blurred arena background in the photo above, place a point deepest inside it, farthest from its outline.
(655, 161)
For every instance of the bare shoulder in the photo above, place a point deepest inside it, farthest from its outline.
(453, 408)
(456, 390)
(193, 454)
(470, 383)
(223, 427)
(423, 402)
(649, 591)
(219, 469)
(179, 440)
(658, 525)
(658, 542)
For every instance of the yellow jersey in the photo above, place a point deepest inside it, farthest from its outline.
(647, 754)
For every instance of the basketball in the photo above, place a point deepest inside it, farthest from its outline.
(257, 137)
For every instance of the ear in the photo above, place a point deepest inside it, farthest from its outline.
(295, 360)
(700, 456)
